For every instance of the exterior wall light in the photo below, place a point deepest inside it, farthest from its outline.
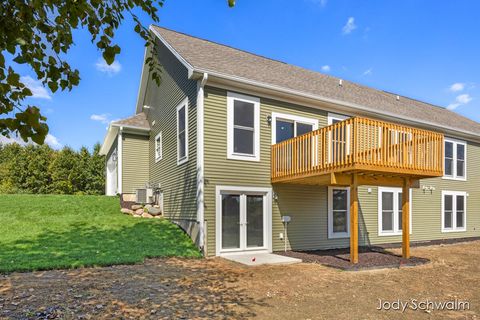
(269, 120)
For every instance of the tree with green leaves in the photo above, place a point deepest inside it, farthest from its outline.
(40, 34)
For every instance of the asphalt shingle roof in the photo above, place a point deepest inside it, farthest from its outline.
(139, 121)
(211, 56)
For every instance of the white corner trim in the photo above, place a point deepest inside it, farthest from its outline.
(454, 195)
(290, 117)
(455, 142)
(120, 161)
(201, 159)
(336, 116)
(158, 157)
(395, 231)
(184, 103)
(267, 192)
(331, 234)
(231, 97)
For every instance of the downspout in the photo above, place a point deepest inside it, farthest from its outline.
(120, 161)
(200, 163)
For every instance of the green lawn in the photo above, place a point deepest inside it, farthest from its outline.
(40, 232)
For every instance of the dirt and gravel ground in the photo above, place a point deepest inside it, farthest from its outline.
(217, 289)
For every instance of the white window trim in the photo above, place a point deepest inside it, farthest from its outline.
(336, 116)
(293, 118)
(454, 169)
(331, 234)
(158, 156)
(454, 195)
(396, 231)
(231, 97)
(184, 103)
(219, 190)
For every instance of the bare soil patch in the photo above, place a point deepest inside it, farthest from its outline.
(368, 259)
(219, 289)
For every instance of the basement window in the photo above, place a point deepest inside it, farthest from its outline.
(454, 211)
(338, 212)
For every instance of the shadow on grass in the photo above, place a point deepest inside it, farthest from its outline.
(97, 245)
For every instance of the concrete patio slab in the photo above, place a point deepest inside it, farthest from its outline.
(256, 259)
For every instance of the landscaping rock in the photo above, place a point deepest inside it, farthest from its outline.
(146, 215)
(147, 207)
(139, 211)
(154, 211)
(126, 211)
(136, 207)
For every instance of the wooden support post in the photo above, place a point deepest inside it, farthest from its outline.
(406, 219)
(354, 219)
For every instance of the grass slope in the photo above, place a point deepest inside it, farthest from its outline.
(39, 232)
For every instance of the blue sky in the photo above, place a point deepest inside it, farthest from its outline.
(428, 50)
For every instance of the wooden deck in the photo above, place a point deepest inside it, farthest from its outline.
(358, 145)
(361, 151)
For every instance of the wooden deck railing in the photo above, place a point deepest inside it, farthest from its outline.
(359, 144)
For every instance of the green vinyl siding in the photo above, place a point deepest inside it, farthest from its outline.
(178, 182)
(135, 162)
(222, 171)
(307, 205)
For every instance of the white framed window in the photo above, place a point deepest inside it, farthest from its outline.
(334, 118)
(182, 132)
(390, 211)
(286, 126)
(454, 211)
(243, 127)
(158, 147)
(455, 159)
(338, 212)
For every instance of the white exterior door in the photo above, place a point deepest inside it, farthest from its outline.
(112, 175)
(243, 219)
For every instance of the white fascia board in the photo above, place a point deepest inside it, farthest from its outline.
(175, 53)
(143, 82)
(109, 139)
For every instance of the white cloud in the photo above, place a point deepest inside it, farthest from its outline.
(464, 98)
(37, 88)
(103, 118)
(5, 140)
(368, 72)
(453, 106)
(326, 68)
(456, 87)
(460, 100)
(111, 70)
(50, 139)
(349, 26)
